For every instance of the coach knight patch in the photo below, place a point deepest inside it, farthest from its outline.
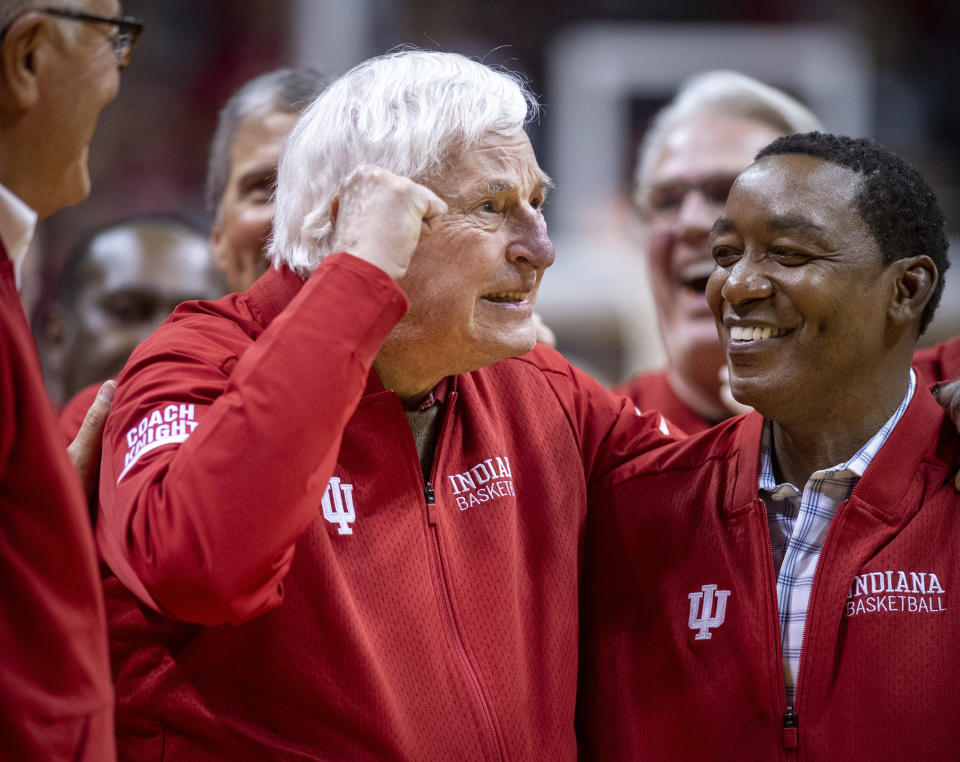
(170, 424)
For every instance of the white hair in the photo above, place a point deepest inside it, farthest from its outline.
(721, 92)
(11, 10)
(409, 112)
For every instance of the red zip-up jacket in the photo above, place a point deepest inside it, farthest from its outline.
(288, 587)
(666, 675)
(56, 700)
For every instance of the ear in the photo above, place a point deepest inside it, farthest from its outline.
(23, 54)
(334, 211)
(217, 245)
(916, 279)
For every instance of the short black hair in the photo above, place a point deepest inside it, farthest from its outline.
(898, 206)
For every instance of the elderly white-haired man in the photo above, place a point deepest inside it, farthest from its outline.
(343, 510)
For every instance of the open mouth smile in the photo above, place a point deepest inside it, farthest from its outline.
(694, 277)
(507, 297)
(746, 333)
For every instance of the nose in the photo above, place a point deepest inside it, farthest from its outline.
(744, 282)
(530, 245)
(695, 217)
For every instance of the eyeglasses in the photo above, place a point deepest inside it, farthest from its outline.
(122, 41)
(662, 203)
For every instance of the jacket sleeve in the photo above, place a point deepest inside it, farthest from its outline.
(214, 463)
(610, 428)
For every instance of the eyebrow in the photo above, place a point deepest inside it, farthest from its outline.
(723, 225)
(500, 185)
(781, 223)
(795, 223)
(257, 174)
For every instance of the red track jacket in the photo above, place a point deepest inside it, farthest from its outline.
(56, 701)
(287, 587)
(666, 675)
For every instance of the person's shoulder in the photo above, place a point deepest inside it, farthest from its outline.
(208, 331)
(940, 362)
(696, 455)
(925, 437)
(539, 363)
(197, 314)
(540, 359)
(542, 369)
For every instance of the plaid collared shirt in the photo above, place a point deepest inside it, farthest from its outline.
(798, 526)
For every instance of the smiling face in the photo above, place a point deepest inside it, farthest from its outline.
(240, 232)
(800, 291)
(687, 187)
(473, 283)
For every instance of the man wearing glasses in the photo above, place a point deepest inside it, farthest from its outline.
(59, 66)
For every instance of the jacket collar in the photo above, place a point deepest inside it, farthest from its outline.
(272, 292)
(440, 393)
(885, 485)
(915, 440)
(17, 223)
(748, 436)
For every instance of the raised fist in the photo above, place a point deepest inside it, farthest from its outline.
(380, 217)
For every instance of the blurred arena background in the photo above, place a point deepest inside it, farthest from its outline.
(878, 68)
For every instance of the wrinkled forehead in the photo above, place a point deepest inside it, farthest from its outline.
(497, 162)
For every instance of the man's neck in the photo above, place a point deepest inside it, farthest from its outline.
(15, 174)
(411, 387)
(833, 436)
(24, 151)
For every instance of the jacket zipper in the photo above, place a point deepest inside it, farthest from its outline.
(790, 731)
(452, 629)
(433, 517)
(806, 629)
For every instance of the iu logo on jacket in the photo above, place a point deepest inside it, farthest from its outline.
(338, 505)
(704, 618)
